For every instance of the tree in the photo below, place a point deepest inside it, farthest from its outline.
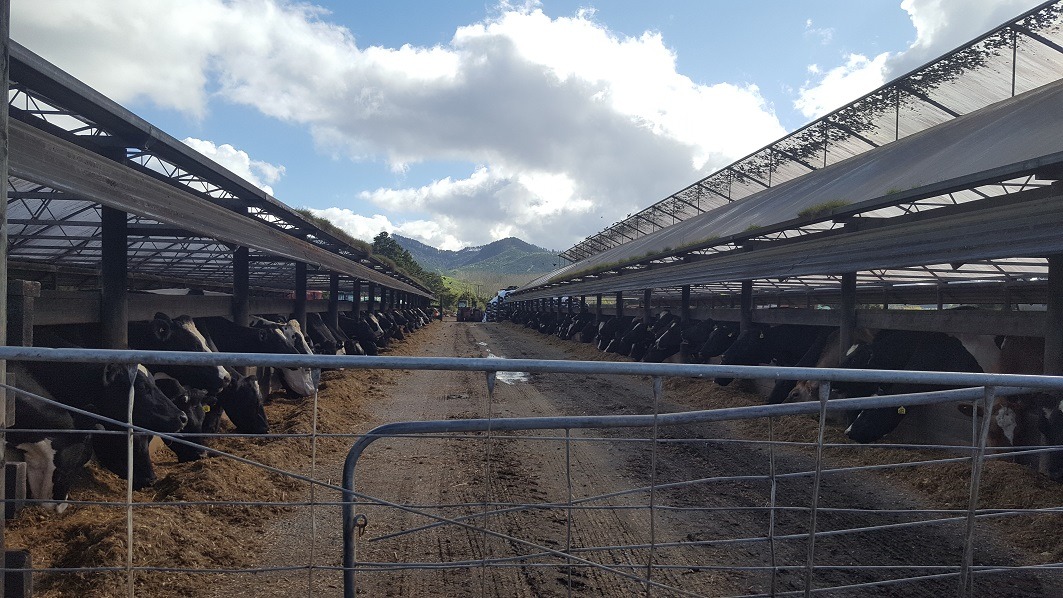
(385, 245)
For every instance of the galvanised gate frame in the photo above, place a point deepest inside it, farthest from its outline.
(965, 572)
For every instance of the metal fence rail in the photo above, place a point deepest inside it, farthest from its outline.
(474, 517)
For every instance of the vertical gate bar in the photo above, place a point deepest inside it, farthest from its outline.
(771, 504)
(977, 461)
(491, 376)
(658, 390)
(313, 501)
(568, 510)
(824, 394)
(130, 591)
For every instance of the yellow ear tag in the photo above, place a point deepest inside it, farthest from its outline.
(901, 410)
(206, 408)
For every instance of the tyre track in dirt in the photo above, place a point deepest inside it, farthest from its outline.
(939, 545)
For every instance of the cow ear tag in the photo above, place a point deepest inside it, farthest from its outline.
(206, 408)
(761, 335)
(901, 410)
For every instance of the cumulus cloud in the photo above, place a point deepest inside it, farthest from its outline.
(940, 26)
(367, 227)
(258, 173)
(573, 123)
(851, 80)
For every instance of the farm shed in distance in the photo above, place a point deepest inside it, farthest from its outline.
(96, 193)
(941, 187)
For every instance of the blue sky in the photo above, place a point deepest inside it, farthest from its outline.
(462, 122)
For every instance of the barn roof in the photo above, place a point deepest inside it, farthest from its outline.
(74, 151)
(885, 163)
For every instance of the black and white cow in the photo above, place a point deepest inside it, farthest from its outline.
(242, 401)
(322, 340)
(263, 336)
(784, 345)
(53, 458)
(667, 345)
(178, 334)
(196, 404)
(719, 340)
(899, 350)
(104, 389)
(360, 332)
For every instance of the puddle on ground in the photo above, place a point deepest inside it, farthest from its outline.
(508, 377)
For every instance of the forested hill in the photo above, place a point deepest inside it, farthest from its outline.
(509, 256)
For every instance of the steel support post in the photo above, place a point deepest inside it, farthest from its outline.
(370, 300)
(647, 312)
(241, 303)
(746, 307)
(300, 294)
(598, 308)
(114, 310)
(684, 305)
(619, 304)
(356, 301)
(20, 302)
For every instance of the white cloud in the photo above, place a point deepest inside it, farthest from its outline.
(940, 26)
(825, 34)
(258, 173)
(367, 227)
(851, 80)
(577, 121)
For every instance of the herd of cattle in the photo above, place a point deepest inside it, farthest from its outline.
(1026, 420)
(56, 443)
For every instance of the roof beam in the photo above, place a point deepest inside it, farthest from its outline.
(44, 159)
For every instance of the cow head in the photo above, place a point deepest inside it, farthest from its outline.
(287, 339)
(53, 459)
(195, 404)
(152, 409)
(872, 424)
(181, 334)
(666, 345)
(747, 348)
(722, 336)
(242, 401)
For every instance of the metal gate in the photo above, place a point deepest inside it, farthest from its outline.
(651, 562)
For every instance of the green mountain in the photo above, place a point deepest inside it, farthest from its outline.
(508, 260)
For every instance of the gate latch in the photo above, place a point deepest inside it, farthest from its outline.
(360, 523)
